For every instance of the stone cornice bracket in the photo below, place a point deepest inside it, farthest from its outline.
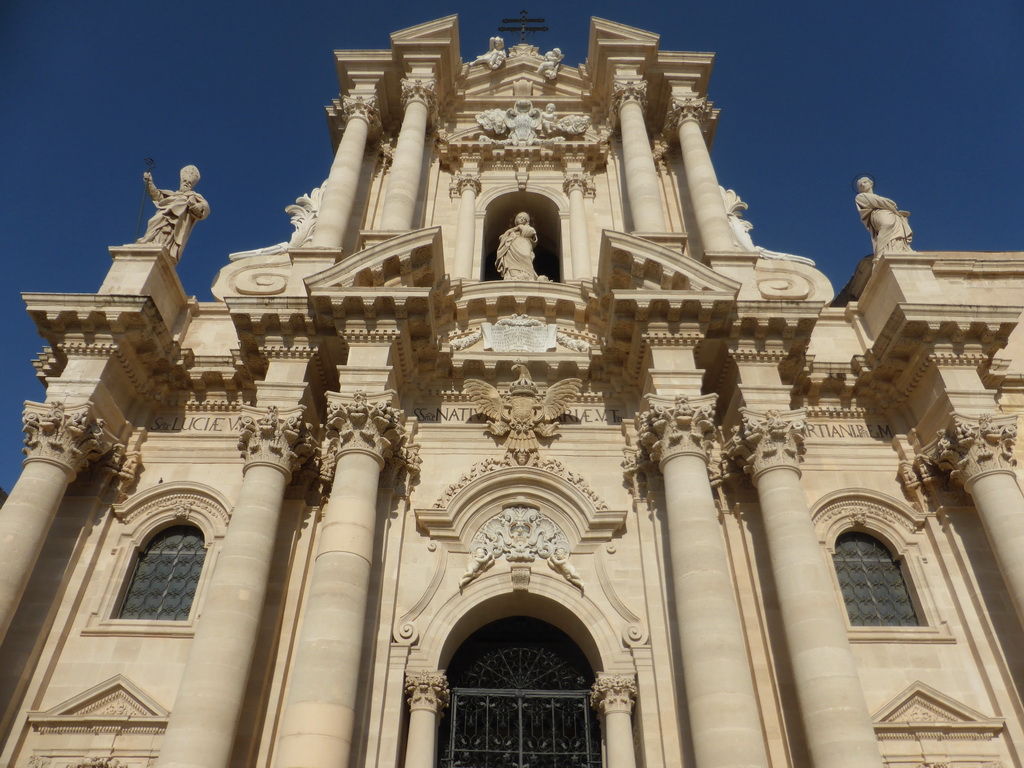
(423, 91)
(427, 690)
(699, 109)
(464, 180)
(69, 438)
(685, 427)
(119, 471)
(972, 448)
(359, 424)
(580, 180)
(363, 107)
(270, 438)
(765, 441)
(613, 693)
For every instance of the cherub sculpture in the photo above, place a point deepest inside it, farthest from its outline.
(522, 414)
(482, 560)
(495, 55)
(559, 563)
(552, 60)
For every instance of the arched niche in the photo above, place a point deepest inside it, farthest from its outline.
(544, 216)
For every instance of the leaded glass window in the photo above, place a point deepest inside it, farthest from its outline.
(520, 699)
(872, 583)
(166, 575)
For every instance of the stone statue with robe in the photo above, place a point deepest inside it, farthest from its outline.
(176, 212)
(515, 251)
(889, 226)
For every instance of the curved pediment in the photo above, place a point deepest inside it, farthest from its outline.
(411, 260)
(629, 262)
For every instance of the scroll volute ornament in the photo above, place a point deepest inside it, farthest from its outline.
(269, 437)
(685, 427)
(764, 441)
(970, 449)
(69, 438)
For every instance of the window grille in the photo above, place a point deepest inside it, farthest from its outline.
(166, 575)
(872, 583)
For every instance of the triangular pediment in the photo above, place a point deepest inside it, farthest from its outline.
(117, 698)
(445, 29)
(629, 262)
(921, 707)
(518, 73)
(410, 260)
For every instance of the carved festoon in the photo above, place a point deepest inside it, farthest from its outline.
(362, 425)
(774, 439)
(427, 690)
(613, 693)
(269, 438)
(71, 438)
(521, 414)
(969, 449)
(683, 427)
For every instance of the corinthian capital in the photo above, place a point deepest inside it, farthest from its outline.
(624, 91)
(613, 693)
(699, 109)
(361, 107)
(463, 181)
(424, 91)
(972, 448)
(69, 438)
(685, 427)
(775, 439)
(427, 690)
(357, 424)
(582, 181)
(281, 440)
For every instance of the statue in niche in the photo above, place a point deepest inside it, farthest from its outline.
(515, 251)
(889, 226)
(495, 55)
(552, 60)
(176, 212)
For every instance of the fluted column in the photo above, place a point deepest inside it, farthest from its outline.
(428, 696)
(613, 697)
(361, 118)
(466, 186)
(688, 118)
(202, 725)
(835, 715)
(317, 724)
(419, 100)
(724, 719)
(577, 185)
(642, 187)
(58, 445)
(979, 454)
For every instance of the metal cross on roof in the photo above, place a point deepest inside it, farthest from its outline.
(523, 26)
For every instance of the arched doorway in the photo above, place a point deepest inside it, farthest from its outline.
(520, 697)
(543, 212)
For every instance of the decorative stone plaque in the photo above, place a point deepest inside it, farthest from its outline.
(519, 333)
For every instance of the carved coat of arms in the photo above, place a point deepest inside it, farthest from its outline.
(522, 413)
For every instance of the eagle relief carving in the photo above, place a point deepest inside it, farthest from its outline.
(522, 414)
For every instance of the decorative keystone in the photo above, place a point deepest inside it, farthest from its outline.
(427, 690)
(613, 693)
(698, 109)
(361, 425)
(71, 439)
(685, 427)
(971, 449)
(775, 439)
(269, 438)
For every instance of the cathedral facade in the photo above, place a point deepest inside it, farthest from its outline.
(520, 453)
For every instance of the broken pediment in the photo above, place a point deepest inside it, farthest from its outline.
(629, 262)
(921, 711)
(114, 704)
(411, 260)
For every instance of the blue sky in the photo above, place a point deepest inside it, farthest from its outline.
(924, 96)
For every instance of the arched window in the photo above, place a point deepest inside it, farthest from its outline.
(872, 583)
(166, 575)
(520, 696)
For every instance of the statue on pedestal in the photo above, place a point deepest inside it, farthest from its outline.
(515, 251)
(176, 212)
(495, 55)
(552, 60)
(889, 226)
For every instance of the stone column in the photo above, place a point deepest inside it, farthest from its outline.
(428, 696)
(688, 118)
(629, 99)
(577, 185)
(613, 696)
(466, 186)
(202, 725)
(361, 119)
(419, 100)
(725, 721)
(58, 444)
(317, 724)
(836, 721)
(979, 454)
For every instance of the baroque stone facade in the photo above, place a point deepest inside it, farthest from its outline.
(571, 391)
